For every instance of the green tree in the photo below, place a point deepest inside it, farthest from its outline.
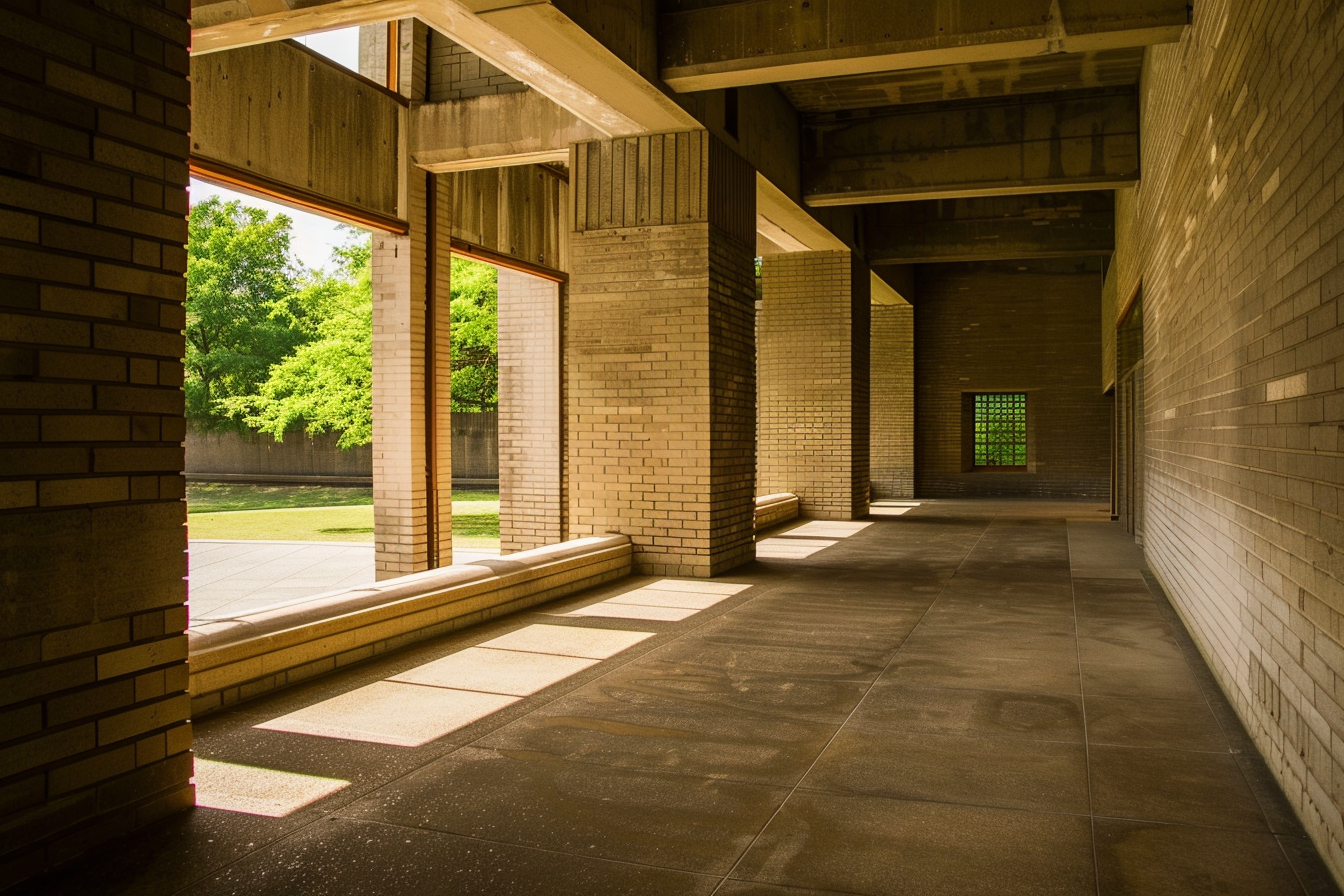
(241, 318)
(327, 383)
(475, 322)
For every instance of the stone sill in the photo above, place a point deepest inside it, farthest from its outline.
(771, 510)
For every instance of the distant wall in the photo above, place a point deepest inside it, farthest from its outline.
(1032, 327)
(475, 453)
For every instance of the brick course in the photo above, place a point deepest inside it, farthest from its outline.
(658, 347)
(94, 730)
(812, 382)
(892, 402)
(530, 509)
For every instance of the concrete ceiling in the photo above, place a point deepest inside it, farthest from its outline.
(1037, 74)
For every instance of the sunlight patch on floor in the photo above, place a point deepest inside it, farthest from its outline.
(258, 791)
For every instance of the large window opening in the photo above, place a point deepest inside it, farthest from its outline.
(1000, 440)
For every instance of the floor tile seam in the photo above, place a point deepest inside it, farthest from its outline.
(878, 728)
(1228, 752)
(755, 839)
(1087, 745)
(513, 845)
(997, 807)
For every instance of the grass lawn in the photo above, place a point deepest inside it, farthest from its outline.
(212, 497)
(318, 513)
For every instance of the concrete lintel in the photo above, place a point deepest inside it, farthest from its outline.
(761, 41)
(533, 42)
(495, 131)
(990, 229)
(1078, 140)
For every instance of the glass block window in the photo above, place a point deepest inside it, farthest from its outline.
(1001, 430)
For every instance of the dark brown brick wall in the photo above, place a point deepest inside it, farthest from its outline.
(992, 327)
(94, 737)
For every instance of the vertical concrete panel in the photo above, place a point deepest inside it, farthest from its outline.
(530, 511)
(658, 342)
(95, 738)
(813, 382)
(892, 437)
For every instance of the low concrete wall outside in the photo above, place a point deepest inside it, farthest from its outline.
(234, 455)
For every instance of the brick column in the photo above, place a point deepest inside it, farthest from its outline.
(412, 368)
(812, 365)
(94, 732)
(530, 510)
(892, 403)
(659, 348)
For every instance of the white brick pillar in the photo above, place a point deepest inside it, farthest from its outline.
(812, 381)
(530, 445)
(892, 426)
(412, 368)
(658, 343)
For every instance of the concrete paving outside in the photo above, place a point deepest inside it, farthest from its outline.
(229, 578)
(965, 698)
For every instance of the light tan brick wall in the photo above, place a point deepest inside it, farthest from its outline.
(94, 732)
(812, 382)
(1240, 246)
(412, 369)
(658, 341)
(892, 402)
(530, 512)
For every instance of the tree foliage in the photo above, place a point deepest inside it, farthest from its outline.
(475, 322)
(326, 384)
(241, 315)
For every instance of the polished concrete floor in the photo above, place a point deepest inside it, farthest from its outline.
(958, 698)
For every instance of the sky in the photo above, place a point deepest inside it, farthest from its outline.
(312, 237)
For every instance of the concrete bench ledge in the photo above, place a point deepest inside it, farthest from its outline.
(771, 510)
(233, 659)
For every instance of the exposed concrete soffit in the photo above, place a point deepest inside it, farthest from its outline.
(883, 292)
(764, 41)
(787, 224)
(535, 43)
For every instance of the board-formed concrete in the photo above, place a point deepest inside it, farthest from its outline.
(971, 698)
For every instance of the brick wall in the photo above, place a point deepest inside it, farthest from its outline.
(658, 348)
(530, 512)
(1238, 237)
(812, 382)
(892, 403)
(991, 327)
(412, 402)
(94, 737)
(455, 73)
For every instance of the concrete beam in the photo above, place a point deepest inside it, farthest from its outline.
(536, 43)
(1048, 225)
(1082, 140)
(285, 122)
(760, 41)
(495, 131)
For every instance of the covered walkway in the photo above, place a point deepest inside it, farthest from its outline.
(958, 698)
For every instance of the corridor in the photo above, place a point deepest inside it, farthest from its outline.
(958, 697)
